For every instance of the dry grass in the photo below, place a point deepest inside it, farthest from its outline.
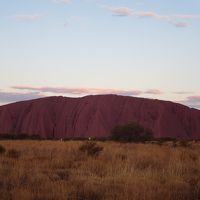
(55, 170)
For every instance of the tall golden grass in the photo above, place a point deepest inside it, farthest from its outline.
(55, 170)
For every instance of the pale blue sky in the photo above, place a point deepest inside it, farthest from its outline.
(147, 48)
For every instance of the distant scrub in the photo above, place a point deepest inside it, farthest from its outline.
(90, 148)
(131, 132)
(184, 144)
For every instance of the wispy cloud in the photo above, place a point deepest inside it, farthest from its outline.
(120, 11)
(194, 98)
(154, 91)
(182, 92)
(175, 20)
(39, 92)
(179, 24)
(82, 91)
(29, 93)
(27, 17)
(79, 91)
(20, 93)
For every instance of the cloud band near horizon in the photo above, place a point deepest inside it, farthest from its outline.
(175, 20)
(22, 93)
(84, 91)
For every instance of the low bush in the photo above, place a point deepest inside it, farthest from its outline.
(2, 149)
(90, 148)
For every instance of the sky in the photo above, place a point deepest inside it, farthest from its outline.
(142, 48)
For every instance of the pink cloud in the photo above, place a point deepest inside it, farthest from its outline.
(120, 11)
(28, 92)
(171, 19)
(179, 24)
(194, 98)
(79, 91)
(83, 91)
(148, 14)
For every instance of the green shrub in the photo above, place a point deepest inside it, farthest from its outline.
(90, 148)
(131, 132)
(2, 149)
(12, 153)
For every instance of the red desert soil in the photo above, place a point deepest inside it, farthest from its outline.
(95, 116)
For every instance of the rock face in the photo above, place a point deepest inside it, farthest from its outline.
(95, 116)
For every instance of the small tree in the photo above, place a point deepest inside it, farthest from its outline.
(131, 132)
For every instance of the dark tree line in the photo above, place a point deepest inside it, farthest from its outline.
(19, 137)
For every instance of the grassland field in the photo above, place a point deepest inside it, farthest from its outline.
(58, 170)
